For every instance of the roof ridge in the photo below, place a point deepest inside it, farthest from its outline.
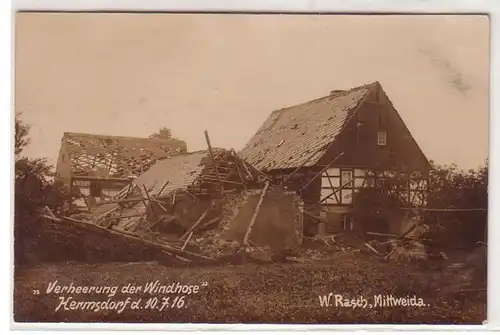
(117, 137)
(201, 151)
(365, 86)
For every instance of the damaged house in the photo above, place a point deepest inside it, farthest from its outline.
(96, 167)
(203, 207)
(329, 148)
(209, 193)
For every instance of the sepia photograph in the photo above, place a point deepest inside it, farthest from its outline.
(250, 168)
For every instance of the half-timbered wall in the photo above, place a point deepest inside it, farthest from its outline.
(338, 185)
(97, 190)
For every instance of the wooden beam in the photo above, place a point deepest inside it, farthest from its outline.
(312, 216)
(381, 234)
(241, 176)
(214, 163)
(193, 227)
(176, 256)
(159, 203)
(244, 164)
(126, 195)
(163, 187)
(336, 191)
(206, 224)
(333, 187)
(173, 197)
(255, 213)
(155, 223)
(224, 181)
(187, 240)
(90, 178)
(143, 218)
(127, 216)
(229, 175)
(70, 194)
(372, 248)
(89, 226)
(321, 172)
(408, 231)
(121, 201)
(98, 218)
(150, 204)
(446, 209)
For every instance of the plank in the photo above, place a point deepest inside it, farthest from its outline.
(193, 227)
(212, 158)
(89, 226)
(255, 213)
(153, 209)
(187, 240)
(163, 187)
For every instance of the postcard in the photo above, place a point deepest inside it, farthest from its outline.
(250, 168)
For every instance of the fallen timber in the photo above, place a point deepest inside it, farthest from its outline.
(189, 218)
(162, 247)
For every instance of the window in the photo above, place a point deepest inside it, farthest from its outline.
(346, 196)
(332, 199)
(382, 138)
(346, 178)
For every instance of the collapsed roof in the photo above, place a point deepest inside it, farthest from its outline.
(300, 135)
(191, 174)
(112, 156)
(190, 171)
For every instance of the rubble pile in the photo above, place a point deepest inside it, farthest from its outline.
(203, 207)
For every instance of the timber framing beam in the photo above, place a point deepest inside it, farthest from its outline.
(321, 172)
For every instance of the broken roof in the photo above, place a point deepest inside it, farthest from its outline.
(180, 171)
(189, 173)
(300, 135)
(116, 156)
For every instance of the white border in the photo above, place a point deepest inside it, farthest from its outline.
(306, 6)
(491, 7)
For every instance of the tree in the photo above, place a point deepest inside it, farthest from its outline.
(163, 133)
(370, 204)
(448, 188)
(21, 135)
(34, 190)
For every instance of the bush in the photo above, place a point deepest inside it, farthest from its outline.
(34, 190)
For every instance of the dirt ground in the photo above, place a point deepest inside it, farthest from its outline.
(251, 293)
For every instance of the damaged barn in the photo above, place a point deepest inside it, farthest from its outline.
(208, 202)
(95, 167)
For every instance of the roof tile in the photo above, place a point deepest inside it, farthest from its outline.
(300, 135)
(116, 156)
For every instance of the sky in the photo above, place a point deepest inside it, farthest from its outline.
(130, 74)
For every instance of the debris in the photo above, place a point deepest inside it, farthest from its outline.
(193, 227)
(90, 229)
(180, 201)
(187, 240)
(372, 249)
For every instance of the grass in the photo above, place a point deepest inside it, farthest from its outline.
(275, 293)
